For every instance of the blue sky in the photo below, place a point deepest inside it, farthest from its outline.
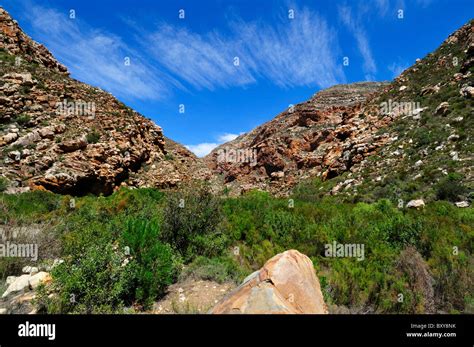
(232, 64)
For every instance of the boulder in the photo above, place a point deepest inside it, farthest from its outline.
(418, 203)
(73, 145)
(8, 138)
(29, 270)
(277, 174)
(286, 284)
(462, 204)
(467, 91)
(442, 108)
(10, 280)
(37, 279)
(20, 283)
(26, 282)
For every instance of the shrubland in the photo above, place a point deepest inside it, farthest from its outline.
(123, 250)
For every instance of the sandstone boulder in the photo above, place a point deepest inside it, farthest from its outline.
(20, 283)
(286, 284)
(442, 108)
(419, 203)
(37, 279)
(467, 91)
(26, 282)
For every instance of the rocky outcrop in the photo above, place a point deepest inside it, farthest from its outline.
(65, 136)
(286, 284)
(20, 293)
(324, 136)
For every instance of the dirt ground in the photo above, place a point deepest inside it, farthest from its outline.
(192, 296)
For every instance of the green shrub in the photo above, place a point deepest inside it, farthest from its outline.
(23, 119)
(95, 233)
(93, 137)
(190, 222)
(156, 266)
(3, 184)
(450, 188)
(97, 281)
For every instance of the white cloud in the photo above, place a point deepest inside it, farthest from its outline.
(202, 149)
(290, 52)
(97, 57)
(227, 137)
(370, 67)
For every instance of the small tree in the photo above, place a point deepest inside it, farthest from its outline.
(190, 221)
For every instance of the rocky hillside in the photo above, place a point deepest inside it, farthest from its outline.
(429, 109)
(62, 135)
(323, 136)
(393, 139)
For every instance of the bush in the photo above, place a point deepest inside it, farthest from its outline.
(190, 220)
(94, 236)
(93, 137)
(98, 281)
(3, 184)
(23, 119)
(156, 266)
(450, 188)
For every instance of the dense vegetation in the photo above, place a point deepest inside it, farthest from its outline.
(124, 250)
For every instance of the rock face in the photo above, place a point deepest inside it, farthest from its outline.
(287, 284)
(324, 136)
(372, 133)
(68, 137)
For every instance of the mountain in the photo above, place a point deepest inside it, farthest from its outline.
(367, 140)
(309, 139)
(65, 136)
(382, 139)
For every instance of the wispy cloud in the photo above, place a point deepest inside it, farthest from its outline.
(290, 52)
(98, 57)
(382, 6)
(355, 27)
(396, 68)
(302, 51)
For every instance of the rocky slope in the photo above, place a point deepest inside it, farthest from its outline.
(379, 136)
(62, 135)
(431, 129)
(324, 136)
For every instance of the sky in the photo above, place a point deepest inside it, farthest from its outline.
(207, 71)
